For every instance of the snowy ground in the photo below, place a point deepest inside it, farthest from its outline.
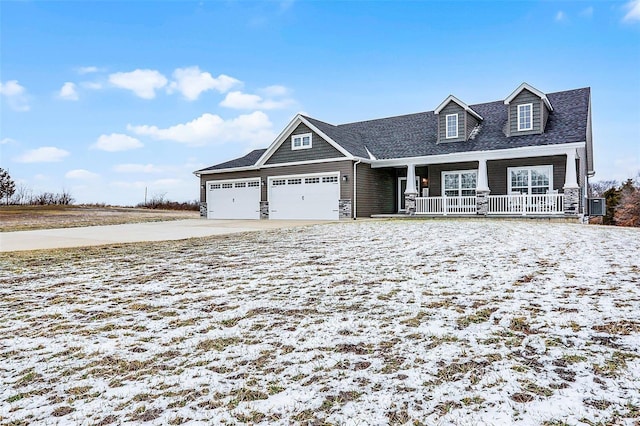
(419, 322)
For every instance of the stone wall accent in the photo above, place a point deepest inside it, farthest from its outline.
(264, 210)
(410, 204)
(571, 201)
(203, 209)
(482, 202)
(344, 209)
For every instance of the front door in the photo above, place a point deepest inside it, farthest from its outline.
(402, 186)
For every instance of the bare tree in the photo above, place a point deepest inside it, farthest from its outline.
(597, 189)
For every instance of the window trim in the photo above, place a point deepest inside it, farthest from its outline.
(524, 129)
(547, 167)
(460, 189)
(446, 126)
(301, 137)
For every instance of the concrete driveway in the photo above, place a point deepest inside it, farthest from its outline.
(136, 232)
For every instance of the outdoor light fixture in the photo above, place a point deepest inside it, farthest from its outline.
(345, 178)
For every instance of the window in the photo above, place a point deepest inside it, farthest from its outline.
(530, 180)
(525, 117)
(294, 181)
(452, 126)
(330, 179)
(278, 182)
(227, 185)
(241, 184)
(215, 186)
(459, 183)
(254, 183)
(312, 180)
(301, 141)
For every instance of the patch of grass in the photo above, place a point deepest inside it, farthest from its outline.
(481, 315)
(218, 344)
(622, 327)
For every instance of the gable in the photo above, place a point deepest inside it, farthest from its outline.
(320, 148)
(526, 97)
(450, 109)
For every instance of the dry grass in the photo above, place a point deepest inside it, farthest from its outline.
(354, 322)
(22, 218)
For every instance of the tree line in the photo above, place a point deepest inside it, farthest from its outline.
(622, 201)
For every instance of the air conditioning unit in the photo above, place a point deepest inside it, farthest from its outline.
(597, 207)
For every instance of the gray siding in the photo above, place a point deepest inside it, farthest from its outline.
(472, 122)
(320, 149)
(376, 190)
(344, 167)
(525, 97)
(435, 174)
(497, 171)
(451, 108)
(545, 115)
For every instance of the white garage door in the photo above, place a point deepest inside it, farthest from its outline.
(233, 199)
(312, 196)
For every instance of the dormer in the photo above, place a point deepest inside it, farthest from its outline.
(528, 110)
(456, 120)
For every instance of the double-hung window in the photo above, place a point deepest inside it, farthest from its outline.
(460, 183)
(302, 141)
(452, 126)
(530, 180)
(525, 117)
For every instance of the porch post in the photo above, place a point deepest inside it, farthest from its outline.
(571, 204)
(482, 188)
(411, 192)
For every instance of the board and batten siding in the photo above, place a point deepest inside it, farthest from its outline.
(344, 167)
(525, 97)
(498, 177)
(451, 108)
(320, 149)
(375, 191)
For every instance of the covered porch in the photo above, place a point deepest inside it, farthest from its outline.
(495, 184)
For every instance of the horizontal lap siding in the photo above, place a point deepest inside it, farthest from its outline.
(344, 167)
(320, 149)
(498, 178)
(472, 122)
(435, 175)
(525, 97)
(376, 189)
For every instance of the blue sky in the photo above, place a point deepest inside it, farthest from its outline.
(105, 99)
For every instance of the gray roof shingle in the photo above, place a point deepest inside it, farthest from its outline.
(415, 135)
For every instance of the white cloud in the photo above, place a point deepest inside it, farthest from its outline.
(6, 141)
(191, 82)
(212, 129)
(143, 83)
(560, 16)
(116, 142)
(633, 13)
(15, 94)
(274, 91)
(137, 168)
(587, 12)
(81, 174)
(45, 154)
(93, 85)
(87, 70)
(239, 100)
(68, 92)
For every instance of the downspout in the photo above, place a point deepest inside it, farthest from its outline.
(355, 181)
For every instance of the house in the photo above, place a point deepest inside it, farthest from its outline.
(528, 154)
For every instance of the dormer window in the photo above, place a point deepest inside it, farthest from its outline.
(302, 141)
(452, 126)
(525, 117)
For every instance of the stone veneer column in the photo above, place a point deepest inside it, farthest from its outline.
(411, 192)
(410, 203)
(344, 209)
(482, 202)
(203, 209)
(264, 210)
(571, 202)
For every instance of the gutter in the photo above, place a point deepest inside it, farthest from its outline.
(355, 189)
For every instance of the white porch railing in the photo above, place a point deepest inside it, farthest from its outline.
(446, 205)
(526, 204)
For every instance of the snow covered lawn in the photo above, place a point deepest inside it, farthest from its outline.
(419, 322)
